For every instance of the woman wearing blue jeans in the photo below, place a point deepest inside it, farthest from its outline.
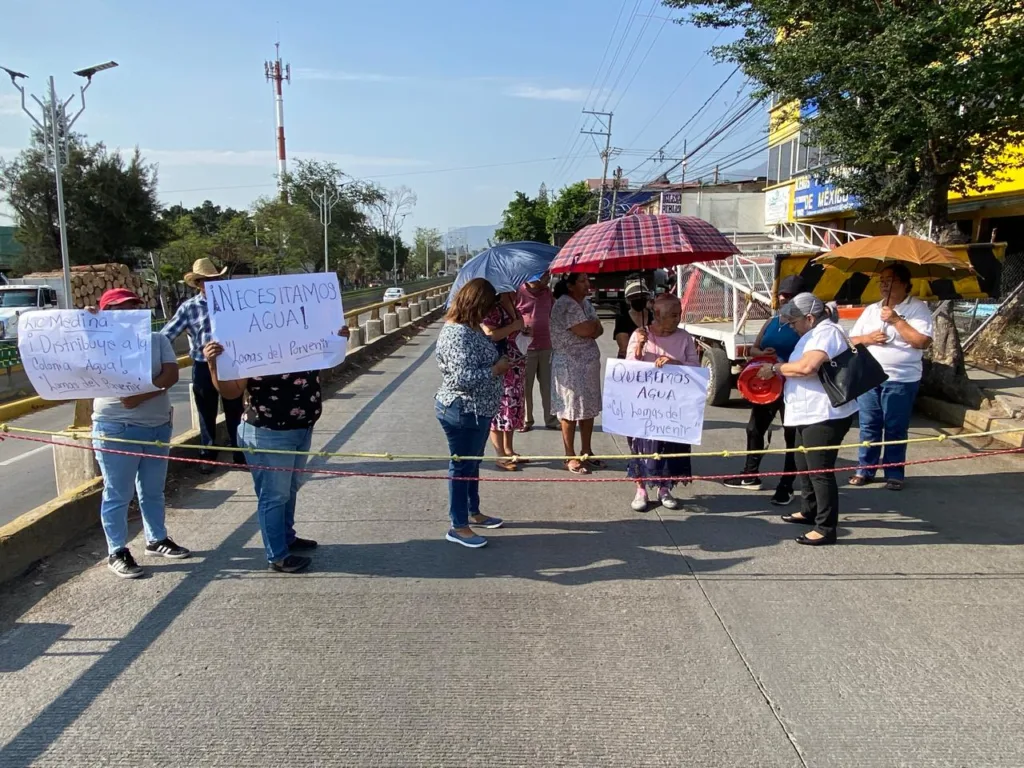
(279, 415)
(145, 417)
(897, 330)
(469, 397)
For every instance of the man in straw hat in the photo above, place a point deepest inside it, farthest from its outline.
(193, 317)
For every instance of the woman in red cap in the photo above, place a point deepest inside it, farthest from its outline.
(145, 417)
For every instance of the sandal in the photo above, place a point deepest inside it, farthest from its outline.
(517, 459)
(859, 480)
(596, 463)
(506, 464)
(894, 485)
(578, 469)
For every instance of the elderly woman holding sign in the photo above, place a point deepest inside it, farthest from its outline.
(664, 343)
(279, 416)
(145, 417)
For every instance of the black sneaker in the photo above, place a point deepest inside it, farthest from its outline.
(782, 497)
(123, 564)
(239, 458)
(745, 482)
(167, 548)
(291, 564)
(301, 545)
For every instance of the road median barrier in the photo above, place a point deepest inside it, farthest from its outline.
(50, 527)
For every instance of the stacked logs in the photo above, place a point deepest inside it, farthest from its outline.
(89, 282)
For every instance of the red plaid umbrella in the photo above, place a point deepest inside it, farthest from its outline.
(641, 242)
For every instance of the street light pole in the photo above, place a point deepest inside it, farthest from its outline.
(394, 248)
(57, 146)
(325, 203)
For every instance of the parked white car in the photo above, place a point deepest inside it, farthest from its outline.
(394, 293)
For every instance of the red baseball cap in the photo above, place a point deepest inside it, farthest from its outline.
(116, 296)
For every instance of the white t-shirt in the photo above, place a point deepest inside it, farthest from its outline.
(805, 398)
(898, 359)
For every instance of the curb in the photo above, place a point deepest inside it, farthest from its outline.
(50, 527)
(959, 416)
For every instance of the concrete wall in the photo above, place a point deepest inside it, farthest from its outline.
(728, 211)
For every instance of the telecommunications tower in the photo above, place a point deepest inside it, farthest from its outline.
(278, 73)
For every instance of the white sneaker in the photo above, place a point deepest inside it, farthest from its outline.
(668, 501)
(640, 501)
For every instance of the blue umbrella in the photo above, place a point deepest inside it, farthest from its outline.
(506, 266)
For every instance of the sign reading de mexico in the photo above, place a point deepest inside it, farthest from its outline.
(642, 400)
(276, 325)
(72, 354)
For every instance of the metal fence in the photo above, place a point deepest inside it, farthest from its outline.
(719, 292)
(968, 315)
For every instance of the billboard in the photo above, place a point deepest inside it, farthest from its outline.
(816, 198)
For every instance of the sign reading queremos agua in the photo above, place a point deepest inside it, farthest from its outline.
(814, 198)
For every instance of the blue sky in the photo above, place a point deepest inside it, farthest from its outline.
(400, 92)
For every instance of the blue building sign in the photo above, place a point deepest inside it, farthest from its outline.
(624, 200)
(815, 198)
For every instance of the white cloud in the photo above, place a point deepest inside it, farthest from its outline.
(524, 91)
(259, 157)
(304, 73)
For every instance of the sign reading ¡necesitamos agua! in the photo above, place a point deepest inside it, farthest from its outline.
(71, 354)
(276, 325)
(641, 400)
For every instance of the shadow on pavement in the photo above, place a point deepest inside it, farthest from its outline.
(48, 726)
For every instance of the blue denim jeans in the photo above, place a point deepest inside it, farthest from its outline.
(467, 436)
(885, 415)
(123, 476)
(276, 489)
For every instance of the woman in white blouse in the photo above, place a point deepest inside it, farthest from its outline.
(820, 426)
(897, 330)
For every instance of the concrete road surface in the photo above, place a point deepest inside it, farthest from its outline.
(584, 635)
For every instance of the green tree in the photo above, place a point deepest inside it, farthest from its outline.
(350, 228)
(427, 242)
(291, 240)
(389, 250)
(110, 204)
(523, 219)
(913, 98)
(573, 208)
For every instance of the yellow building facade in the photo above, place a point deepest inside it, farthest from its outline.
(793, 194)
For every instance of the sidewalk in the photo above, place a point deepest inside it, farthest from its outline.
(584, 635)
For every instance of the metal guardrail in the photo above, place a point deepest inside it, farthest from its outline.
(373, 310)
(10, 358)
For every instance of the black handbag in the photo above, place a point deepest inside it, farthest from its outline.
(850, 374)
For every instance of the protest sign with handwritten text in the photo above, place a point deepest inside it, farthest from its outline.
(667, 403)
(71, 354)
(275, 325)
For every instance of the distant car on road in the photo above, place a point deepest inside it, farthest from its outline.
(394, 293)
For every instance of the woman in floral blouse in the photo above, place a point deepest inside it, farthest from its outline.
(503, 326)
(279, 415)
(472, 374)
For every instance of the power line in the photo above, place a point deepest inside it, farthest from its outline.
(629, 58)
(692, 117)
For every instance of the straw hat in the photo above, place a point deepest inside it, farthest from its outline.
(203, 269)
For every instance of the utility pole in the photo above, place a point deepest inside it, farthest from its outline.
(55, 128)
(616, 182)
(428, 257)
(605, 121)
(278, 73)
(325, 203)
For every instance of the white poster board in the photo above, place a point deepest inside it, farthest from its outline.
(777, 204)
(71, 354)
(667, 403)
(276, 325)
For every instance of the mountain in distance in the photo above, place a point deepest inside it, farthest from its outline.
(476, 237)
